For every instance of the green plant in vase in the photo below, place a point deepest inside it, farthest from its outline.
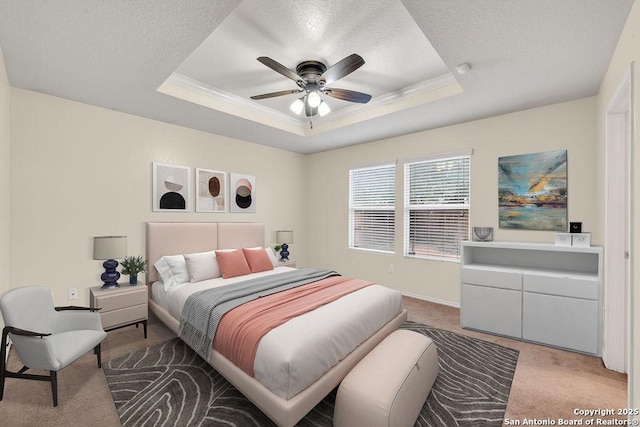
(133, 265)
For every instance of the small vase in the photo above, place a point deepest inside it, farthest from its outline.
(133, 280)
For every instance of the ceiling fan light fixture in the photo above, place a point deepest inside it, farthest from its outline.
(297, 106)
(313, 99)
(323, 109)
(312, 78)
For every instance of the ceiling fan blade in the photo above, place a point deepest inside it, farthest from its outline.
(274, 94)
(348, 95)
(343, 68)
(279, 68)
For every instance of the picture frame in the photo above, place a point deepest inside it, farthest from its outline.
(211, 191)
(242, 193)
(171, 188)
(533, 192)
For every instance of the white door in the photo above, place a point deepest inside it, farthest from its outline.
(618, 225)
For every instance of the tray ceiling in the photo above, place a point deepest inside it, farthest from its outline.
(194, 63)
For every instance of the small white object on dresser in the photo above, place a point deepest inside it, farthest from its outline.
(581, 240)
(563, 239)
(120, 307)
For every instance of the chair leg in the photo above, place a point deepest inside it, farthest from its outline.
(3, 361)
(54, 387)
(98, 353)
(2, 382)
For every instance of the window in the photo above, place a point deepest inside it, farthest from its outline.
(372, 193)
(436, 214)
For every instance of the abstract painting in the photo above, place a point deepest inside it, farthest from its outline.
(171, 188)
(532, 191)
(243, 193)
(211, 193)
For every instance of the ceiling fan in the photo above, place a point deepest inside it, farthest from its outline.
(313, 78)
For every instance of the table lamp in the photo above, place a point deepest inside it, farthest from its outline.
(109, 248)
(283, 237)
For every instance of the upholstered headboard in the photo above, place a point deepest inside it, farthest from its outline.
(234, 235)
(174, 238)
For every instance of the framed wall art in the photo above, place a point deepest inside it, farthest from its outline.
(171, 188)
(211, 191)
(243, 193)
(532, 191)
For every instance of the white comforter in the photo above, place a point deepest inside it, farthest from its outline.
(294, 355)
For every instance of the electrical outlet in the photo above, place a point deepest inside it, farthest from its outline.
(73, 294)
(392, 268)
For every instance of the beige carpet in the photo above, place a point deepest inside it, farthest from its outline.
(548, 383)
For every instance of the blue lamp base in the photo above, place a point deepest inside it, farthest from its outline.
(284, 252)
(110, 276)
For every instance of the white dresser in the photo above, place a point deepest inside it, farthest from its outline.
(535, 292)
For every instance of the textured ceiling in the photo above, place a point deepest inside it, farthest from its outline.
(117, 54)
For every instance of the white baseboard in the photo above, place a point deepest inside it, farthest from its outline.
(434, 300)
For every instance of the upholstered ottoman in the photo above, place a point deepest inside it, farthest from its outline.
(390, 385)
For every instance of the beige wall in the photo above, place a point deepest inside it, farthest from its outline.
(5, 247)
(567, 126)
(79, 171)
(627, 52)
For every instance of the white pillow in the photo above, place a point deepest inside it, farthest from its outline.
(272, 256)
(175, 274)
(202, 266)
(164, 271)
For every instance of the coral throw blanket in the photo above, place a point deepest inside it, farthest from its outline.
(241, 329)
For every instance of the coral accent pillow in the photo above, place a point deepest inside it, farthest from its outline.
(258, 259)
(232, 263)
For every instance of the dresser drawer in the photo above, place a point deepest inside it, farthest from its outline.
(492, 310)
(492, 278)
(562, 286)
(124, 316)
(560, 321)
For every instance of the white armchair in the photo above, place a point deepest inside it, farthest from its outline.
(46, 337)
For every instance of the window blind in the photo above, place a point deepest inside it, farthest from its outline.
(372, 208)
(436, 214)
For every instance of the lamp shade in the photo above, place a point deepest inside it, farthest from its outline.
(109, 247)
(313, 99)
(297, 106)
(284, 236)
(323, 109)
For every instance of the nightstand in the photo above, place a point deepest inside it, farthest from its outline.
(120, 307)
(290, 263)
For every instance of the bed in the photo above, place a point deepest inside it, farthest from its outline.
(166, 238)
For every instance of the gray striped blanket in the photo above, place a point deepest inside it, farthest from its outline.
(203, 310)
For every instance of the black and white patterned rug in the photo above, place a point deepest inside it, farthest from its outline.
(168, 384)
